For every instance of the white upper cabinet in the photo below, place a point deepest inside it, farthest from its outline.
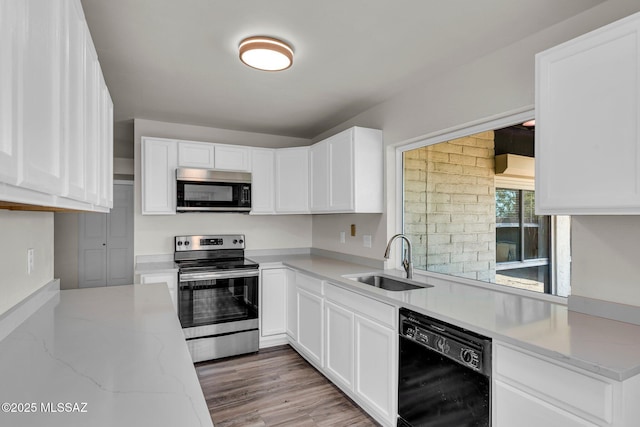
(56, 114)
(262, 181)
(159, 162)
(43, 157)
(12, 35)
(229, 157)
(292, 180)
(347, 172)
(319, 173)
(195, 155)
(75, 114)
(588, 123)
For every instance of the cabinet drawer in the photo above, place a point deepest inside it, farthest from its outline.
(555, 383)
(375, 310)
(311, 284)
(516, 408)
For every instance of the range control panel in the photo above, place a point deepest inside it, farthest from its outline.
(204, 243)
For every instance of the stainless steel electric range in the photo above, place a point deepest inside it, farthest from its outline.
(217, 296)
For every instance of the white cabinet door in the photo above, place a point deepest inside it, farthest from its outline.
(13, 22)
(376, 366)
(171, 279)
(159, 160)
(292, 306)
(43, 158)
(292, 180)
(228, 157)
(516, 408)
(273, 289)
(339, 360)
(262, 180)
(195, 155)
(341, 172)
(319, 175)
(92, 122)
(347, 172)
(587, 123)
(105, 144)
(74, 111)
(310, 325)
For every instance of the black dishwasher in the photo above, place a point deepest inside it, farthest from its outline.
(444, 374)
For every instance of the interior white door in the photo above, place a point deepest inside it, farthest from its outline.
(120, 237)
(105, 243)
(92, 250)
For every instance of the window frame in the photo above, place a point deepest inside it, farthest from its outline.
(396, 221)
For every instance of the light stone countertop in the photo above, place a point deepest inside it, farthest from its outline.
(118, 349)
(156, 267)
(605, 347)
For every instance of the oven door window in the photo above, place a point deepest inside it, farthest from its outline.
(206, 302)
(438, 392)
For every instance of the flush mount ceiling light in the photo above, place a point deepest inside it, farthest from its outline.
(266, 53)
(529, 123)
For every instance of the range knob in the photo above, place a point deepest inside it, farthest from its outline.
(469, 357)
(241, 241)
(186, 243)
(179, 242)
(235, 241)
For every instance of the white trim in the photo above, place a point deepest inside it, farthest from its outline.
(490, 123)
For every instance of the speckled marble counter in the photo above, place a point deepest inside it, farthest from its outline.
(599, 345)
(116, 353)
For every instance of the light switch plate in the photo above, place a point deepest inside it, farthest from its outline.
(343, 237)
(366, 241)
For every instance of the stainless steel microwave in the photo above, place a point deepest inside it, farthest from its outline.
(205, 190)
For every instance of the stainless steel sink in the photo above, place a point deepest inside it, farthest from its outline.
(387, 283)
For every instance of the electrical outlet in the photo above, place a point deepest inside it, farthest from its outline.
(30, 261)
(343, 237)
(366, 241)
(353, 230)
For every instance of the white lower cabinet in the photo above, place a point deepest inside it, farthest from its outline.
(517, 408)
(310, 325)
(532, 390)
(292, 307)
(339, 360)
(361, 350)
(170, 278)
(376, 366)
(273, 312)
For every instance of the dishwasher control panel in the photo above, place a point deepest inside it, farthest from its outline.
(465, 347)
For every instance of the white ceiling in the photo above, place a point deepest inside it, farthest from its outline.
(177, 61)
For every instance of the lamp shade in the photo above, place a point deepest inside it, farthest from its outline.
(266, 53)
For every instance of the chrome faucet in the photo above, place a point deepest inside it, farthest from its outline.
(407, 263)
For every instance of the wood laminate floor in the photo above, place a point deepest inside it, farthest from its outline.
(275, 387)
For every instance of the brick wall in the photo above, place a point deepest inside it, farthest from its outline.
(450, 206)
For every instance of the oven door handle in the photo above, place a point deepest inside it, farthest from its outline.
(191, 277)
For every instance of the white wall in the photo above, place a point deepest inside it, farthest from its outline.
(24, 230)
(605, 258)
(65, 266)
(327, 228)
(490, 87)
(154, 234)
